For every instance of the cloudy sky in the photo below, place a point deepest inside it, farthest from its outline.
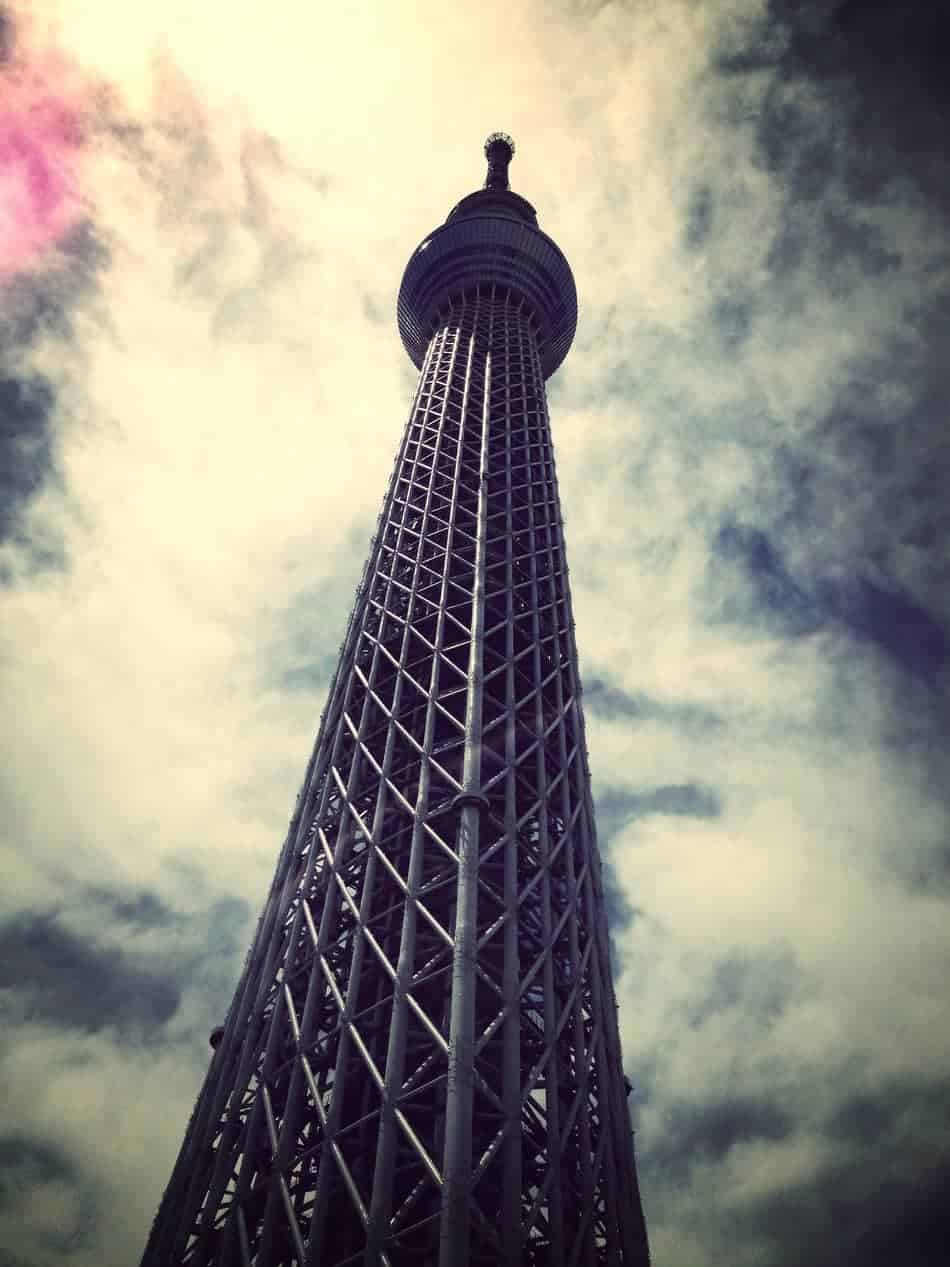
(204, 214)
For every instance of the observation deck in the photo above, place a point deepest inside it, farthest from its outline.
(491, 236)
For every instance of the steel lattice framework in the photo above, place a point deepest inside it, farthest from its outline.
(421, 1064)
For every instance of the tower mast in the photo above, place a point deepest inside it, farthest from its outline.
(421, 1063)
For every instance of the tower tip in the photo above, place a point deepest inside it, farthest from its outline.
(499, 150)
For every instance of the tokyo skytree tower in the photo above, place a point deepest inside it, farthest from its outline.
(421, 1063)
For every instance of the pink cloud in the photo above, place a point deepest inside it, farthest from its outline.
(42, 105)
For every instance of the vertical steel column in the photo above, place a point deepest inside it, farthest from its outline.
(511, 1078)
(551, 1103)
(560, 603)
(457, 1164)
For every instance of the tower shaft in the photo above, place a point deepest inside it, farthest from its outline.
(421, 1064)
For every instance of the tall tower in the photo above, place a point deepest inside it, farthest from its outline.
(421, 1064)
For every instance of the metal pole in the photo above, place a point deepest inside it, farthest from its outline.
(457, 1165)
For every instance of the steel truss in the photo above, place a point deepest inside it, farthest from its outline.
(421, 1064)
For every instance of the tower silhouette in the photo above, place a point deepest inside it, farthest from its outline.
(421, 1063)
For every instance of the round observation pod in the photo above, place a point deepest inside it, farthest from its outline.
(490, 238)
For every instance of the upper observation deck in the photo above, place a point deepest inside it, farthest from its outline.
(491, 236)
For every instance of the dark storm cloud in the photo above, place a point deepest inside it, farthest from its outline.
(706, 1132)
(912, 1227)
(883, 66)
(610, 817)
(27, 1162)
(33, 309)
(617, 806)
(902, 628)
(43, 303)
(699, 216)
(852, 125)
(604, 699)
(28, 462)
(63, 978)
(763, 592)
(844, 1220)
(893, 57)
(7, 34)
(760, 987)
(143, 910)
(924, 870)
(682, 800)
(733, 318)
(126, 964)
(26, 444)
(876, 1194)
(880, 1198)
(28, 1166)
(901, 1106)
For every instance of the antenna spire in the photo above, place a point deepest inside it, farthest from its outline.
(499, 150)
